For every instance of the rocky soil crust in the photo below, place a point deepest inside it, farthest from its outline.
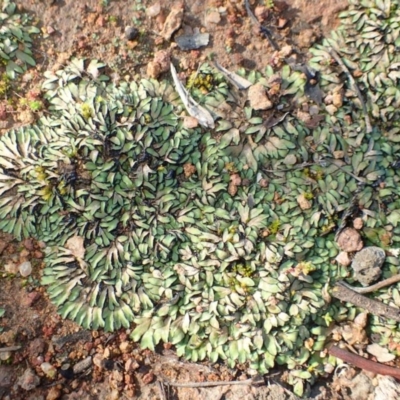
(50, 358)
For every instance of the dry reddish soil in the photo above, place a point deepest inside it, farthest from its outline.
(95, 29)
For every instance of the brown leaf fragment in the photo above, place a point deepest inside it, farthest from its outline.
(189, 170)
(232, 189)
(304, 203)
(381, 353)
(354, 334)
(236, 179)
(75, 244)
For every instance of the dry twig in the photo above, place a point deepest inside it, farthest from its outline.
(363, 363)
(161, 389)
(345, 293)
(11, 348)
(363, 290)
(216, 383)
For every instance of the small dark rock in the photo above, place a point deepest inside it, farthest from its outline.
(367, 264)
(66, 371)
(108, 364)
(131, 33)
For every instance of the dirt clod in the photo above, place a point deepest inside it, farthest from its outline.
(173, 22)
(349, 240)
(148, 378)
(258, 97)
(29, 380)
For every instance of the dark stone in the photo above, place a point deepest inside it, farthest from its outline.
(131, 33)
(66, 371)
(108, 364)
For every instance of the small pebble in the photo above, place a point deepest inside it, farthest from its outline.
(48, 369)
(153, 69)
(54, 393)
(148, 378)
(11, 268)
(66, 371)
(282, 23)
(213, 17)
(337, 99)
(28, 244)
(358, 223)
(290, 159)
(108, 364)
(98, 360)
(24, 254)
(131, 33)
(82, 365)
(5, 355)
(114, 395)
(172, 22)
(131, 365)
(50, 30)
(367, 264)
(153, 10)
(25, 269)
(190, 122)
(31, 298)
(343, 258)
(38, 254)
(331, 109)
(125, 347)
(338, 154)
(29, 380)
(349, 240)
(258, 98)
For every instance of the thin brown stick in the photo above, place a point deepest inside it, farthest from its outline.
(363, 363)
(344, 293)
(363, 290)
(161, 389)
(355, 87)
(216, 383)
(11, 348)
